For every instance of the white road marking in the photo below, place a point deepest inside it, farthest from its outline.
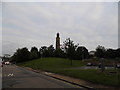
(11, 74)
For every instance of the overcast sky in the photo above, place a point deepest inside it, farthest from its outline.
(35, 24)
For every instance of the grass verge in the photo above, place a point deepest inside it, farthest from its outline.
(63, 66)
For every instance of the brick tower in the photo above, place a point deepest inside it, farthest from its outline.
(57, 41)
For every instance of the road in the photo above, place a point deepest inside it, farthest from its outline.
(17, 77)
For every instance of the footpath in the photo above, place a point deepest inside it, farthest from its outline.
(75, 81)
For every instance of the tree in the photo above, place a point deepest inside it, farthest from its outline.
(85, 53)
(6, 57)
(21, 55)
(110, 53)
(118, 53)
(34, 49)
(81, 53)
(100, 52)
(69, 48)
(51, 50)
(59, 53)
(44, 51)
(34, 53)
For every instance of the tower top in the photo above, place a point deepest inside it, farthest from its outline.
(57, 34)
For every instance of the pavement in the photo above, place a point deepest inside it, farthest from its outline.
(75, 81)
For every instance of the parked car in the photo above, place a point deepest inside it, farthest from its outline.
(89, 64)
(7, 63)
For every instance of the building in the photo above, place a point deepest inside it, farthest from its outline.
(92, 53)
(57, 41)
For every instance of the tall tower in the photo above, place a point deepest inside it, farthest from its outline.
(57, 41)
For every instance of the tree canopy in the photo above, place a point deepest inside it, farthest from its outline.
(100, 51)
(21, 55)
(34, 54)
(68, 50)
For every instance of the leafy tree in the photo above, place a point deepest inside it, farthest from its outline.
(118, 53)
(51, 50)
(59, 53)
(112, 53)
(34, 53)
(6, 57)
(44, 51)
(34, 49)
(21, 55)
(85, 53)
(69, 48)
(81, 53)
(100, 52)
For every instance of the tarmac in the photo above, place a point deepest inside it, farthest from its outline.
(75, 81)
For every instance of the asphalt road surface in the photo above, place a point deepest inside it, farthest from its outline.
(17, 77)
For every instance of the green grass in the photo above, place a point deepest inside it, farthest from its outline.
(51, 63)
(63, 66)
(92, 76)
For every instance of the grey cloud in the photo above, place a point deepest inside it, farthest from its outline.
(35, 24)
